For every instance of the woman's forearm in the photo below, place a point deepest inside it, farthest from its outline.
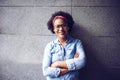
(60, 64)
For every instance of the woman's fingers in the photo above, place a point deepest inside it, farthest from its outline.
(76, 55)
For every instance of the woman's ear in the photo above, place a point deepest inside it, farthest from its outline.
(54, 30)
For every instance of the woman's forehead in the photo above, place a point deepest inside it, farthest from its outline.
(59, 21)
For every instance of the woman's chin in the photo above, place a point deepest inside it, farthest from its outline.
(62, 36)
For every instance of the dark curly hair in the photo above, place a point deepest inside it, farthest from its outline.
(69, 18)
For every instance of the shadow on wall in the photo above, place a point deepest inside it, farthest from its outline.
(93, 69)
(0, 31)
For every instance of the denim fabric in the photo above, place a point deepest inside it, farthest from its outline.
(54, 51)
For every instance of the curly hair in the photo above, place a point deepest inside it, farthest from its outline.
(69, 18)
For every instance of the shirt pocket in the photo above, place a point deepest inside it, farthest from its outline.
(70, 52)
(57, 55)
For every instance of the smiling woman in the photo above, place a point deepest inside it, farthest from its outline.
(64, 56)
(61, 30)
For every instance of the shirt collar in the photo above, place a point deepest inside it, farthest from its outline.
(69, 40)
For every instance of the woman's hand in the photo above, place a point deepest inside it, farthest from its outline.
(63, 71)
(76, 55)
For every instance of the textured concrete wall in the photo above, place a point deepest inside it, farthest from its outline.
(24, 34)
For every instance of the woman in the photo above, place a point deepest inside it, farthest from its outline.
(64, 56)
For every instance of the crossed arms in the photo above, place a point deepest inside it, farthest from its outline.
(62, 65)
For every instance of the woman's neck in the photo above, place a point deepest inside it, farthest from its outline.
(63, 41)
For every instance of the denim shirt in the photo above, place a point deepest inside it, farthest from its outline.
(54, 51)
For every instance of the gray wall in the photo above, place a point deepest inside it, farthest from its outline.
(24, 34)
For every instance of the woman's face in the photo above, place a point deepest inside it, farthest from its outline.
(60, 28)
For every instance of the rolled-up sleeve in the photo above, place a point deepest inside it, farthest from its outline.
(47, 60)
(77, 63)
